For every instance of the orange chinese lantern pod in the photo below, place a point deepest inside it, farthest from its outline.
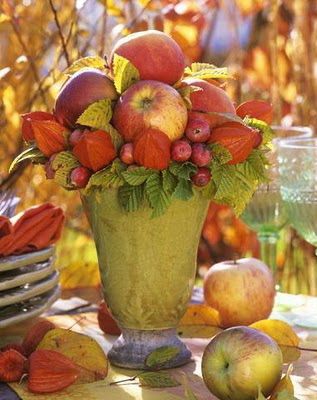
(237, 140)
(152, 149)
(95, 150)
(50, 136)
(27, 130)
(258, 109)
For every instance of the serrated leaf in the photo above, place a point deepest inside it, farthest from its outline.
(183, 170)
(86, 62)
(183, 190)
(138, 175)
(220, 153)
(31, 153)
(131, 197)
(65, 159)
(104, 179)
(169, 181)
(97, 115)
(62, 177)
(189, 394)
(116, 138)
(207, 71)
(125, 73)
(161, 356)
(157, 379)
(267, 131)
(159, 200)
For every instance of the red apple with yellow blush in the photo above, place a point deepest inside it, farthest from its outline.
(150, 104)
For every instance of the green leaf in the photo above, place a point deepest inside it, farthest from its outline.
(137, 176)
(159, 200)
(267, 131)
(97, 115)
(131, 197)
(157, 379)
(185, 92)
(62, 177)
(66, 160)
(116, 138)
(161, 356)
(189, 394)
(260, 394)
(220, 154)
(285, 395)
(31, 153)
(86, 62)
(104, 179)
(169, 181)
(207, 71)
(183, 190)
(235, 184)
(125, 73)
(183, 170)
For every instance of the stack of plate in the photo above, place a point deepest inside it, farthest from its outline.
(28, 285)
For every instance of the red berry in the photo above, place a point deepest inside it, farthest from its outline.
(75, 137)
(49, 172)
(80, 176)
(201, 155)
(181, 150)
(257, 139)
(126, 154)
(201, 177)
(197, 130)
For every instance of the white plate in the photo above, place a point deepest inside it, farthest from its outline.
(28, 309)
(27, 274)
(22, 293)
(12, 262)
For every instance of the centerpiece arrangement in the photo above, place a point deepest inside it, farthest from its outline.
(148, 143)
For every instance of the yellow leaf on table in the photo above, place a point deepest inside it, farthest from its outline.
(200, 314)
(284, 385)
(198, 331)
(280, 331)
(81, 349)
(290, 353)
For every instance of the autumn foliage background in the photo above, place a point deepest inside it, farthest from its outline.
(268, 45)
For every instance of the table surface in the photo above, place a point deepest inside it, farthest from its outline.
(304, 375)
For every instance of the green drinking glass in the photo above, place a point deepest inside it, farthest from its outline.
(266, 213)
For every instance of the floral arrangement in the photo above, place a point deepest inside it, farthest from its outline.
(151, 128)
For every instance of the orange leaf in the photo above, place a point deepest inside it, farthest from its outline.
(258, 109)
(200, 314)
(50, 136)
(27, 130)
(106, 322)
(95, 150)
(280, 331)
(152, 149)
(239, 140)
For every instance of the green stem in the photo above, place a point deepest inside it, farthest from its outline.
(268, 244)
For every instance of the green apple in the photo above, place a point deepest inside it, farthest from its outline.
(238, 361)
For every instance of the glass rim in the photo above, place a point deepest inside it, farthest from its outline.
(298, 143)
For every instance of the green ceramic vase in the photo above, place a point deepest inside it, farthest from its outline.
(147, 268)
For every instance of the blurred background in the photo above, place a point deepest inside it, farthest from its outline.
(269, 46)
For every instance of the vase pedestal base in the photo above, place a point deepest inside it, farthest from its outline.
(133, 346)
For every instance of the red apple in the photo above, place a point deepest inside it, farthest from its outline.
(79, 177)
(242, 291)
(126, 154)
(201, 177)
(201, 155)
(82, 89)
(75, 136)
(156, 55)
(197, 130)
(181, 151)
(150, 104)
(239, 361)
(210, 99)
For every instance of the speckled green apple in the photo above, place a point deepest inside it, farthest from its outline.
(240, 360)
